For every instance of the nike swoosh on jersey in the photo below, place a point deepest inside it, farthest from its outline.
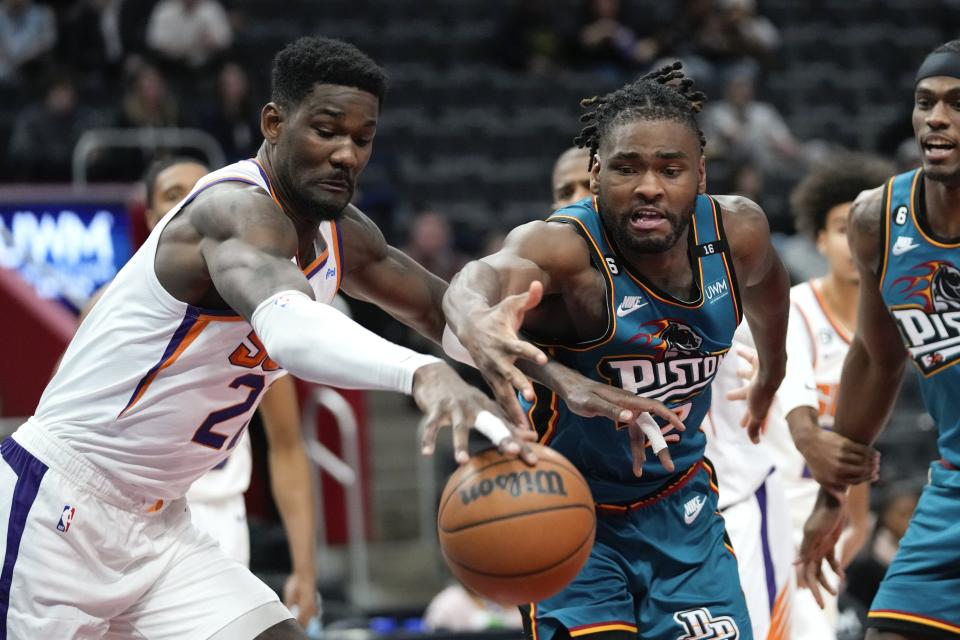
(903, 245)
(623, 311)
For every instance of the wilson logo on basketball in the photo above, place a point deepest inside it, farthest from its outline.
(516, 484)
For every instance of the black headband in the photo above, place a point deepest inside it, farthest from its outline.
(942, 63)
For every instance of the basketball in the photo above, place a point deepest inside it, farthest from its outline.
(515, 533)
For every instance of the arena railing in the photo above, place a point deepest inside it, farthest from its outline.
(146, 138)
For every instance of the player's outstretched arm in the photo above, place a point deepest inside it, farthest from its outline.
(385, 276)
(245, 247)
(293, 492)
(871, 376)
(765, 292)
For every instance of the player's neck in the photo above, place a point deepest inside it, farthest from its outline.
(290, 204)
(942, 203)
(841, 297)
(669, 270)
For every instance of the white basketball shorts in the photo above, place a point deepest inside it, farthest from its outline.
(759, 528)
(226, 522)
(83, 559)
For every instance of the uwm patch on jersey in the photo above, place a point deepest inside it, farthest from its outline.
(929, 316)
(668, 365)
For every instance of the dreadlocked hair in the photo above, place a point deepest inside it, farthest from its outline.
(664, 94)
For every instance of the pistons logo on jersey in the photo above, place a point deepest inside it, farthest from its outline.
(670, 365)
(929, 316)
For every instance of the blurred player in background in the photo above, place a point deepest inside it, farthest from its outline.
(216, 499)
(905, 240)
(570, 181)
(158, 384)
(639, 292)
(823, 314)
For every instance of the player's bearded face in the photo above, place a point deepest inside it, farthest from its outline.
(326, 145)
(649, 175)
(936, 125)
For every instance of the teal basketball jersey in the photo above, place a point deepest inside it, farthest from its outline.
(654, 345)
(920, 284)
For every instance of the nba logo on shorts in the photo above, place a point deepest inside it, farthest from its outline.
(66, 518)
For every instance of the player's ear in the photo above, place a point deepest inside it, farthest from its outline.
(271, 121)
(702, 175)
(595, 176)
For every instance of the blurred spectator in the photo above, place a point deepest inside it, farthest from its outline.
(45, 133)
(189, 32)
(27, 32)
(431, 244)
(91, 40)
(741, 128)
(731, 30)
(607, 42)
(570, 180)
(234, 120)
(532, 37)
(149, 102)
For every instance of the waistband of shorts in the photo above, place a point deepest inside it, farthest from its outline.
(673, 485)
(59, 456)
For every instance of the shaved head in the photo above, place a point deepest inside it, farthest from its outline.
(571, 177)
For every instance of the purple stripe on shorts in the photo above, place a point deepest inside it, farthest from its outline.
(30, 473)
(765, 544)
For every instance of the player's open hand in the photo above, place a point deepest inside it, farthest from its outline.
(494, 344)
(759, 397)
(645, 432)
(447, 401)
(750, 365)
(300, 596)
(836, 461)
(820, 535)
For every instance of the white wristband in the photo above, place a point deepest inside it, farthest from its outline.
(651, 430)
(492, 427)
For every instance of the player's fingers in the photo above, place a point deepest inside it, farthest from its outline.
(527, 351)
(599, 406)
(672, 438)
(533, 295)
(637, 448)
(461, 437)
(506, 397)
(749, 355)
(429, 427)
(745, 374)
(666, 460)
(521, 383)
(753, 429)
(834, 562)
(738, 394)
(662, 411)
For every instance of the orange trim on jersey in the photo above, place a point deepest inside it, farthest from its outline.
(318, 262)
(200, 323)
(730, 549)
(612, 329)
(828, 314)
(886, 236)
(600, 627)
(651, 292)
(916, 222)
(714, 486)
(807, 325)
(670, 489)
(780, 616)
(533, 621)
(914, 618)
(552, 421)
(269, 186)
(156, 506)
(335, 239)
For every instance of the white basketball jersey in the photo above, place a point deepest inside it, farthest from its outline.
(229, 478)
(816, 347)
(741, 465)
(156, 392)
